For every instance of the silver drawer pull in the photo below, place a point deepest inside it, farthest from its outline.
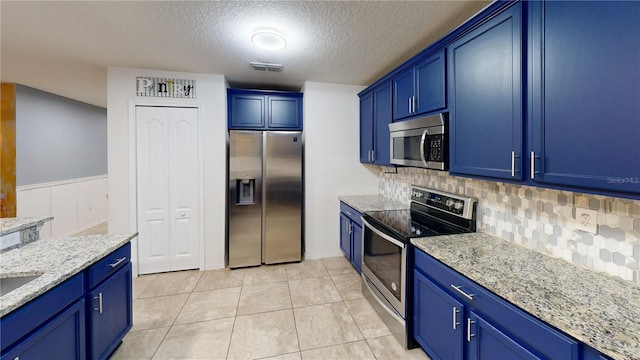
(468, 296)
(118, 262)
(349, 213)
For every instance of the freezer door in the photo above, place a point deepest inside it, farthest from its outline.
(245, 205)
(283, 197)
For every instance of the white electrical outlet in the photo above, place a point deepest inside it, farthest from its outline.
(586, 220)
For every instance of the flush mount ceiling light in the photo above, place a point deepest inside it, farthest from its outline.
(268, 40)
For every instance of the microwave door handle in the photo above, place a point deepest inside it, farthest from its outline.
(422, 147)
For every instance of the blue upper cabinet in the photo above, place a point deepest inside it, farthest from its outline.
(246, 111)
(366, 126)
(284, 112)
(421, 88)
(485, 98)
(264, 110)
(375, 117)
(584, 88)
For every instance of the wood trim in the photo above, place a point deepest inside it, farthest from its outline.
(8, 151)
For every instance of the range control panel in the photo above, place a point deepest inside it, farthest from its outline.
(452, 203)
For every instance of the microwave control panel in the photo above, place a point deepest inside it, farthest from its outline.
(436, 148)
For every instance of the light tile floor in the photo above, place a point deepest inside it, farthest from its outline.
(309, 310)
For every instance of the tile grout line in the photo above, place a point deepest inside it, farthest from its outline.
(293, 313)
(235, 316)
(177, 315)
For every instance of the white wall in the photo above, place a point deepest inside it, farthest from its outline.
(332, 163)
(211, 102)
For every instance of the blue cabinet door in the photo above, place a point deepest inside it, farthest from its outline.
(485, 99)
(63, 337)
(366, 127)
(110, 313)
(403, 92)
(421, 88)
(430, 84)
(284, 112)
(356, 246)
(585, 94)
(345, 235)
(485, 342)
(246, 111)
(438, 320)
(382, 119)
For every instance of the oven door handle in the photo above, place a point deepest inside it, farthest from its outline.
(423, 140)
(383, 235)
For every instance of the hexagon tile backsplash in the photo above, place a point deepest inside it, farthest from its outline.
(541, 219)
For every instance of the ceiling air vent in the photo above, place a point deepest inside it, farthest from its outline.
(266, 67)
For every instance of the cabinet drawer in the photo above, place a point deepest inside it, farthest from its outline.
(110, 264)
(508, 318)
(351, 213)
(25, 319)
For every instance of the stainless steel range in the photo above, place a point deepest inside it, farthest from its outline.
(386, 243)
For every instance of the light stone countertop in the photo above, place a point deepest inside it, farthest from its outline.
(594, 308)
(56, 260)
(10, 225)
(364, 203)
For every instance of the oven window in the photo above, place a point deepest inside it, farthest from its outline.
(384, 259)
(407, 148)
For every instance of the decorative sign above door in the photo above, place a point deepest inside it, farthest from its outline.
(165, 87)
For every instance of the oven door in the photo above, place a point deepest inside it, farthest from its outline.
(384, 265)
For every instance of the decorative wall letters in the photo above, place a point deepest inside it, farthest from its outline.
(165, 87)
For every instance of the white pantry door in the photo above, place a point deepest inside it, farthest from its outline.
(167, 188)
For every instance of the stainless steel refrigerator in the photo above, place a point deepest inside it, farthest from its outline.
(265, 197)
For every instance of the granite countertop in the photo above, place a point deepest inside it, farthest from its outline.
(594, 308)
(364, 203)
(10, 225)
(56, 260)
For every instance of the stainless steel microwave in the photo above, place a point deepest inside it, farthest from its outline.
(421, 142)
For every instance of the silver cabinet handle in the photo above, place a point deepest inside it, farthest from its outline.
(513, 163)
(413, 104)
(349, 213)
(533, 165)
(373, 156)
(468, 296)
(455, 318)
(99, 308)
(118, 262)
(350, 228)
(410, 106)
(469, 334)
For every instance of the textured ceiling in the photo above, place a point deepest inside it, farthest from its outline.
(66, 47)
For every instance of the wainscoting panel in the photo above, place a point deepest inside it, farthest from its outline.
(75, 204)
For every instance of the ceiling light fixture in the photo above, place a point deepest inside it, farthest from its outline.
(268, 40)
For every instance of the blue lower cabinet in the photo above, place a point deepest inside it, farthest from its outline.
(62, 337)
(110, 313)
(356, 249)
(345, 235)
(351, 235)
(487, 342)
(438, 324)
(85, 317)
(455, 318)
